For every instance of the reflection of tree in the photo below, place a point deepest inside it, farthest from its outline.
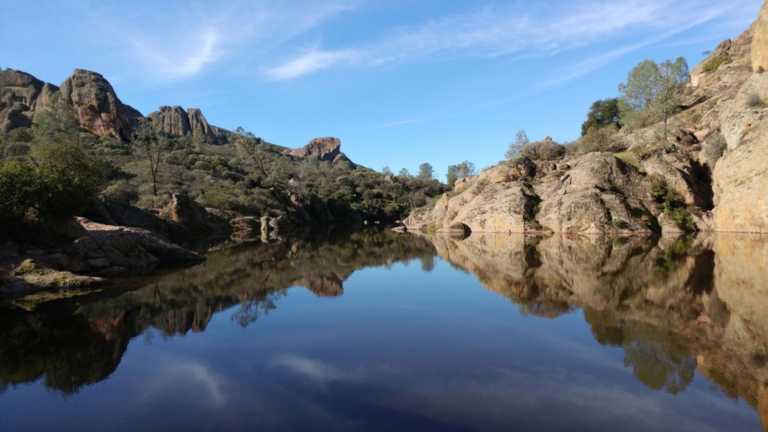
(655, 359)
(75, 343)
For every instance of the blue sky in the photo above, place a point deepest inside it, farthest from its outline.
(399, 81)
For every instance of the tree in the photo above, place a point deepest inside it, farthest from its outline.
(152, 146)
(404, 173)
(460, 171)
(387, 171)
(651, 92)
(602, 113)
(521, 140)
(426, 172)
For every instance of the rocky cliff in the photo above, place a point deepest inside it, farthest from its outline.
(176, 121)
(95, 106)
(709, 175)
(326, 149)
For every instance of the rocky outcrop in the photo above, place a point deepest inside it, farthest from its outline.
(114, 250)
(175, 121)
(741, 175)
(97, 107)
(760, 42)
(184, 211)
(31, 276)
(117, 213)
(327, 149)
(21, 96)
(594, 193)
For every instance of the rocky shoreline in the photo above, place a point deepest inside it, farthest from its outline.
(708, 176)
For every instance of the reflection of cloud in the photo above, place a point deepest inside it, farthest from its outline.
(178, 372)
(204, 376)
(323, 372)
(315, 370)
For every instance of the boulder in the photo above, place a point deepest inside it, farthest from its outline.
(117, 213)
(31, 276)
(760, 41)
(186, 212)
(110, 249)
(97, 107)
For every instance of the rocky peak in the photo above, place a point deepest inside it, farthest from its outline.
(760, 41)
(178, 122)
(20, 96)
(326, 149)
(97, 107)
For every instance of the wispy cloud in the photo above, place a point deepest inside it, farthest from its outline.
(311, 61)
(540, 29)
(191, 38)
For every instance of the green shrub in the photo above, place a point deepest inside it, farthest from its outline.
(715, 62)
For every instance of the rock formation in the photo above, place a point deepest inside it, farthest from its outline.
(708, 175)
(760, 42)
(21, 96)
(184, 211)
(175, 121)
(96, 106)
(327, 149)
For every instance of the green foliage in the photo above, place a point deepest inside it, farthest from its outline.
(426, 172)
(60, 180)
(601, 139)
(715, 62)
(602, 113)
(652, 91)
(546, 149)
(460, 171)
(671, 204)
(521, 141)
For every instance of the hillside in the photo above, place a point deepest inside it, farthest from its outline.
(706, 174)
(233, 173)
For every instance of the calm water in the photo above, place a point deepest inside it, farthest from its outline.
(394, 332)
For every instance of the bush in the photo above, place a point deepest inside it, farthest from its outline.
(61, 182)
(597, 140)
(20, 189)
(122, 191)
(547, 149)
(715, 62)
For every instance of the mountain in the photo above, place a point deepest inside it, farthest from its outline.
(707, 174)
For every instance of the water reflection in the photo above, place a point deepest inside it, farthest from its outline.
(674, 307)
(72, 343)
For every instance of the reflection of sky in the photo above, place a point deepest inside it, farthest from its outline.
(400, 350)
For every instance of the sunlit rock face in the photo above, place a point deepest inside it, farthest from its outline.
(760, 42)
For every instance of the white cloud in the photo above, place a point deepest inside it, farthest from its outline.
(310, 61)
(174, 40)
(539, 29)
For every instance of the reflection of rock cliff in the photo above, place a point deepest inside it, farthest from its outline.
(672, 306)
(75, 343)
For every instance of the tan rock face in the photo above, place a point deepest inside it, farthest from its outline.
(325, 149)
(741, 175)
(97, 107)
(760, 42)
(175, 121)
(594, 193)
